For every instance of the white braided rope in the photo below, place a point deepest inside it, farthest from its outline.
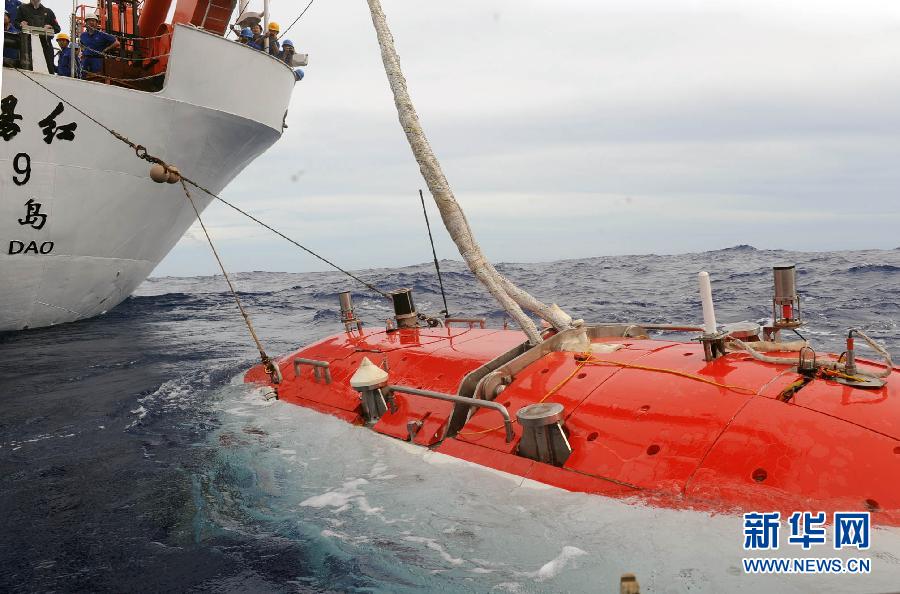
(511, 297)
(889, 365)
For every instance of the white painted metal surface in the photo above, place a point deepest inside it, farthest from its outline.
(107, 224)
(706, 301)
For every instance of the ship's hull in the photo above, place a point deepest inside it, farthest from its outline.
(81, 222)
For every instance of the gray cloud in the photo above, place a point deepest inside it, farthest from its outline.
(600, 128)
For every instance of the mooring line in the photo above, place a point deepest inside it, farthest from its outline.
(296, 19)
(142, 153)
(437, 266)
(267, 362)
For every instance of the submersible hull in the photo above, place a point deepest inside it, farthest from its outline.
(645, 419)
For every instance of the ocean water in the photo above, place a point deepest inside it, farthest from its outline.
(133, 459)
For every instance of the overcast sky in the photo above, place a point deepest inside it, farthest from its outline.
(579, 128)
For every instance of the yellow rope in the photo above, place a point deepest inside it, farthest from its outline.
(835, 373)
(792, 389)
(683, 374)
(563, 383)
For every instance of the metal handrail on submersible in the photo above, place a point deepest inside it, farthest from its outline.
(507, 421)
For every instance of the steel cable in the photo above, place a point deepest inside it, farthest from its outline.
(296, 19)
(141, 152)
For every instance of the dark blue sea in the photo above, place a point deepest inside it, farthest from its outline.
(133, 459)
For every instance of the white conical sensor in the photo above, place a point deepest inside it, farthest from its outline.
(368, 376)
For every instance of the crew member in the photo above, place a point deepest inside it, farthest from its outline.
(272, 36)
(33, 14)
(256, 29)
(95, 42)
(64, 63)
(11, 52)
(286, 55)
(246, 38)
(12, 7)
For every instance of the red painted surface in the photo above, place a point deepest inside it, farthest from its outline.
(666, 439)
(212, 16)
(153, 14)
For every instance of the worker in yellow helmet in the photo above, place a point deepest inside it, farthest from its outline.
(64, 63)
(272, 39)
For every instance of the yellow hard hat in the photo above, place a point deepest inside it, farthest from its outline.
(273, 26)
(62, 37)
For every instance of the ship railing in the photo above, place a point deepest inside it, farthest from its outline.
(140, 62)
(13, 41)
(472, 322)
(318, 368)
(118, 18)
(130, 68)
(28, 43)
(207, 18)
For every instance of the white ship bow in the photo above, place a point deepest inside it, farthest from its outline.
(81, 222)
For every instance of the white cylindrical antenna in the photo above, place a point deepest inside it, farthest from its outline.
(75, 41)
(709, 313)
(266, 26)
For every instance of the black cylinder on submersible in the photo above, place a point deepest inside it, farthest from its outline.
(404, 308)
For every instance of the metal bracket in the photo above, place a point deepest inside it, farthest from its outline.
(317, 366)
(713, 345)
(412, 428)
(507, 422)
(472, 322)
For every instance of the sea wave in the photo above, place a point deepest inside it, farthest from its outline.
(131, 437)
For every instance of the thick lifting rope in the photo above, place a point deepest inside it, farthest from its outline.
(512, 298)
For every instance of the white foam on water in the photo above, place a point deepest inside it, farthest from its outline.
(15, 445)
(508, 587)
(379, 468)
(436, 546)
(344, 537)
(141, 412)
(556, 566)
(339, 498)
(342, 498)
(449, 522)
(239, 411)
(172, 396)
